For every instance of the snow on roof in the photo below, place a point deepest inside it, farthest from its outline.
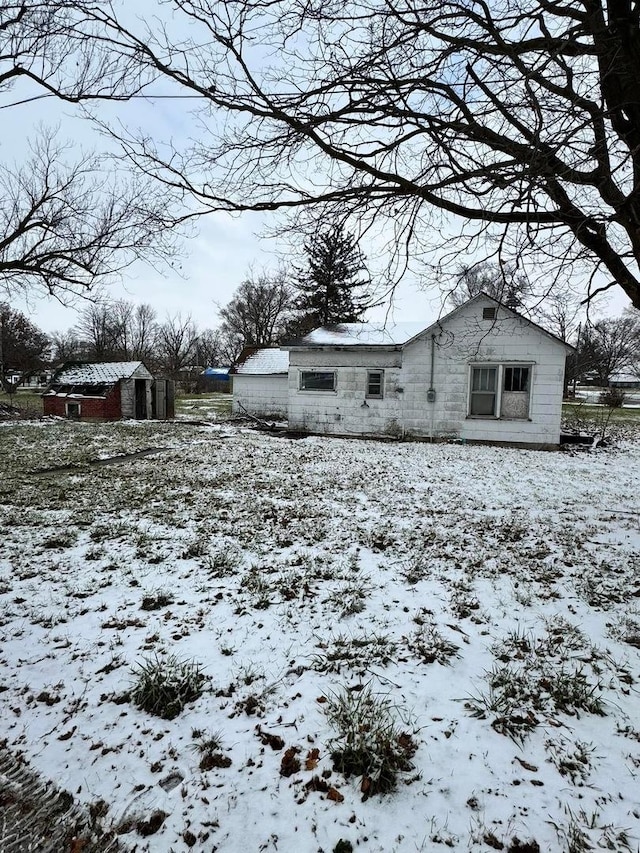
(93, 374)
(624, 377)
(364, 334)
(263, 361)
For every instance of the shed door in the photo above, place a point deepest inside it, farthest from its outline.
(141, 399)
(162, 398)
(159, 398)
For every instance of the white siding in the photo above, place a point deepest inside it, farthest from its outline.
(462, 340)
(346, 410)
(467, 339)
(262, 396)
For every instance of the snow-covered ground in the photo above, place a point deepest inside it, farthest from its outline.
(479, 606)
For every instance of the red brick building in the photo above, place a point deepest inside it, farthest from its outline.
(108, 392)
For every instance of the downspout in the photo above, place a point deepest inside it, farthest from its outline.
(431, 392)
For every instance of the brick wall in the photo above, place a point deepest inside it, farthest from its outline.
(91, 408)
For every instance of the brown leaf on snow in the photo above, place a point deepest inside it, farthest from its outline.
(274, 741)
(317, 784)
(290, 763)
(311, 761)
(335, 795)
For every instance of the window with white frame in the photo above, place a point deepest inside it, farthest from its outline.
(483, 391)
(375, 384)
(317, 380)
(500, 391)
(73, 410)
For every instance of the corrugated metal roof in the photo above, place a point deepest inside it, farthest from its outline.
(94, 374)
(264, 362)
(364, 334)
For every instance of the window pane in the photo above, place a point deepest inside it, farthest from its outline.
(317, 380)
(483, 403)
(516, 379)
(484, 379)
(374, 383)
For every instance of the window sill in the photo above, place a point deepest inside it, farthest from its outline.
(497, 418)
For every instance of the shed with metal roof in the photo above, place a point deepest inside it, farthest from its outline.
(108, 391)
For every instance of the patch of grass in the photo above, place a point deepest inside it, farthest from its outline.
(356, 653)
(350, 598)
(574, 760)
(591, 412)
(583, 832)
(520, 695)
(164, 685)
(211, 405)
(464, 603)
(414, 570)
(369, 742)
(256, 585)
(157, 600)
(209, 747)
(223, 561)
(61, 539)
(430, 646)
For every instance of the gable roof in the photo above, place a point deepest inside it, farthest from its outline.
(107, 372)
(261, 361)
(395, 334)
(361, 334)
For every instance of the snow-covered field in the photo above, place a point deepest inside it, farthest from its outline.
(459, 624)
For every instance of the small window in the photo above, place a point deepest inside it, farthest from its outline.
(375, 384)
(73, 410)
(317, 380)
(516, 379)
(488, 313)
(483, 391)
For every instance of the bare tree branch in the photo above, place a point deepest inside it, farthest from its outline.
(522, 120)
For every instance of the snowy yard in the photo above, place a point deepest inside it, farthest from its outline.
(389, 647)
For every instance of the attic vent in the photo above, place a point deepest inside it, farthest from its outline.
(488, 313)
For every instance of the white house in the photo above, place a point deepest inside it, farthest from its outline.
(260, 383)
(480, 373)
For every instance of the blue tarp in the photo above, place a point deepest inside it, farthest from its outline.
(220, 373)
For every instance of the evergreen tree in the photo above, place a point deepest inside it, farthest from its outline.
(333, 286)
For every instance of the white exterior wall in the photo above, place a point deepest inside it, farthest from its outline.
(463, 340)
(262, 396)
(346, 410)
